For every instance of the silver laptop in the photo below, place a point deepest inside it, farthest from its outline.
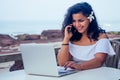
(40, 59)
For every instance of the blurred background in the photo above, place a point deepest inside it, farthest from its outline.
(34, 16)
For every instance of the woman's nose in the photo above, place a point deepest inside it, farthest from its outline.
(77, 24)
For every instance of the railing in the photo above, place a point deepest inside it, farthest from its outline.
(112, 61)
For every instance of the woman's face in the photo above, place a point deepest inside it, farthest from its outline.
(80, 22)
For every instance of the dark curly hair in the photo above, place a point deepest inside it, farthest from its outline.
(93, 30)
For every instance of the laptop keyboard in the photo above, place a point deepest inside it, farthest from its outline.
(62, 69)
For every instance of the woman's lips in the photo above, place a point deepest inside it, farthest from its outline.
(80, 28)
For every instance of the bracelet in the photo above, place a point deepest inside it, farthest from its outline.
(65, 44)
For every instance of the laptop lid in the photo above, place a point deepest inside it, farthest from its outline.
(39, 59)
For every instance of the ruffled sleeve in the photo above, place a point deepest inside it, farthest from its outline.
(104, 46)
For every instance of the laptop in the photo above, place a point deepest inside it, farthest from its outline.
(40, 59)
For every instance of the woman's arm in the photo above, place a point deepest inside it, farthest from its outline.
(97, 61)
(64, 55)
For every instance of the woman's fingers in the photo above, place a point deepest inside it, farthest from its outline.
(67, 28)
(70, 64)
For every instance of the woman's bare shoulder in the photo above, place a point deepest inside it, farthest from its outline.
(102, 35)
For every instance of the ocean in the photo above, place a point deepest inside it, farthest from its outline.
(36, 27)
(28, 27)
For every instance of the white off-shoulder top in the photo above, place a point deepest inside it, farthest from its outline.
(85, 53)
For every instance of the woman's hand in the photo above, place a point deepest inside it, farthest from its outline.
(67, 34)
(72, 64)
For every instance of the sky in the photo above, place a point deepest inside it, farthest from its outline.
(35, 10)
(49, 14)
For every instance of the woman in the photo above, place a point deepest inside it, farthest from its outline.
(85, 44)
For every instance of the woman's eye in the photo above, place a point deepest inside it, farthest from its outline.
(81, 20)
(78, 21)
